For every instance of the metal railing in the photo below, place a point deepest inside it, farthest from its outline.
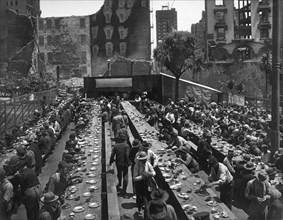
(15, 111)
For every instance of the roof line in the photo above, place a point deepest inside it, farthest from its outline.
(192, 83)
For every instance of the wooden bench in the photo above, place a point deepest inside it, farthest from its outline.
(112, 197)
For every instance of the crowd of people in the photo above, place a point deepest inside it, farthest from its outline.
(19, 176)
(252, 179)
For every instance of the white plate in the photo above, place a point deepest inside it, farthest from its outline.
(94, 163)
(89, 217)
(86, 194)
(91, 175)
(78, 209)
(93, 204)
(93, 168)
(91, 181)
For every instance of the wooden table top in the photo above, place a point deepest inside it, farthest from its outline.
(180, 183)
(92, 152)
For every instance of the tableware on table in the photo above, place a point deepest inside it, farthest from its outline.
(212, 203)
(78, 209)
(86, 194)
(216, 217)
(166, 175)
(94, 163)
(89, 217)
(70, 197)
(92, 181)
(224, 214)
(91, 175)
(183, 195)
(65, 206)
(93, 204)
(93, 169)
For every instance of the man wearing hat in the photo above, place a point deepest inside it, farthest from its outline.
(228, 161)
(157, 209)
(132, 155)
(143, 170)
(220, 176)
(258, 192)
(265, 155)
(279, 159)
(51, 207)
(179, 141)
(184, 157)
(121, 153)
(6, 194)
(152, 158)
(186, 131)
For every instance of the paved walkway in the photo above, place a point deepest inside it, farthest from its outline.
(49, 169)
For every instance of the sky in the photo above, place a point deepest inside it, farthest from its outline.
(188, 11)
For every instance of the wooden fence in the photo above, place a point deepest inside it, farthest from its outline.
(15, 111)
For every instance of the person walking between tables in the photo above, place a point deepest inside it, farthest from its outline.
(143, 170)
(228, 161)
(258, 192)
(132, 155)
(152, 158)
(31, 191)
(51, 207)
(220, 176)
(6, 195)
(121, 152)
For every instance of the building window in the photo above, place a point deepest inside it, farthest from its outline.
(7, 3)
(83, 70)
(143, 3)
(83, 57)
(57, 39)
(40, 57)
(264, 33)
(107, 14)
(49, 40)
(122, 3)
(11, 3)
(263, 16)
(48, 23)
(40, 24)
(219, 2)
(94, 31)
(123, 14)
(95, 50)
(220, 16)
(57, 24)
(130, 3)
(50, 57)
(83, 39)
(108, 30)
(108, 3)
(82, 22)
(123, 49)
(123, 32)
(16, 3)
(109, 49)
(41, 40)
(220, 33)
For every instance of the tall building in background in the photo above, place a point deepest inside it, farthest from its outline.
(198, 31)
(166, 22)
(237, 29)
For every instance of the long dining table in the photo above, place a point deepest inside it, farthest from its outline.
(188, 192)
(83, 199)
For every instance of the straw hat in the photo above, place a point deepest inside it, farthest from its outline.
(142, 156)
(249, 166)
(159, 194)
(49, 197)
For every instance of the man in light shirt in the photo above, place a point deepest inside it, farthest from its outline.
(220, 176)
(228, 161)
(266, 154)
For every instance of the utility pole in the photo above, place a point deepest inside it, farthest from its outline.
(275, 121)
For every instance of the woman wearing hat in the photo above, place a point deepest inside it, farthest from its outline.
(143, 170)
(258, 192)
(51, 207)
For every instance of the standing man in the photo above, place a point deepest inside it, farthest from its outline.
(6, 194)
(258, 191)
(220, 176)
(121, 151)
(228, 161)
(31, 191)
